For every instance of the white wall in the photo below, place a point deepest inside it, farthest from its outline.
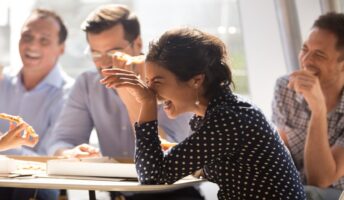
(263, 48)
(308, 12)
(20, 10)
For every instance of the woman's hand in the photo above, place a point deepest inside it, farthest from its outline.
(121, 78)
(13, 138)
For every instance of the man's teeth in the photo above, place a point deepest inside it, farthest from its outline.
(33, 54)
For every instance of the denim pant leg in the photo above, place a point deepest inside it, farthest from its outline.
(315, 193)
(188, 193)
(6, 193)
(40, 194)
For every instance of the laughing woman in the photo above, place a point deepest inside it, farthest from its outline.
(232, 142)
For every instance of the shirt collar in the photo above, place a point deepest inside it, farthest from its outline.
(340, 107)
(53, 78)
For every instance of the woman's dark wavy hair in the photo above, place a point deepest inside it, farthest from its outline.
(187, 52)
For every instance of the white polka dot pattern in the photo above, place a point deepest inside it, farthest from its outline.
(234, 145)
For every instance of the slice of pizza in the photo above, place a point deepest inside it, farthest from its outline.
(165, 145)
(18, 120)
(130, 59)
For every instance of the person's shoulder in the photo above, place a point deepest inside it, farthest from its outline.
(88, 75)
(8, 76)
(87, 80)
(10, 72)
(281, 87)
(245, 104)
(227, 104)
(285, 97)
(282, 81)
(68, 81)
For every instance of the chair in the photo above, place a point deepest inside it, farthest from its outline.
(341, 196)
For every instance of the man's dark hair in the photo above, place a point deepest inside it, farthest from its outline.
(333, 22)
(46, 13)
(108, 16)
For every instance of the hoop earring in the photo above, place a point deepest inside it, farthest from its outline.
(197, 99)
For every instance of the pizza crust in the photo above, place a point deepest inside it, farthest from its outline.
(17, 120)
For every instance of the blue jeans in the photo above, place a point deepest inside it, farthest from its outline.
(25, 194)
(188, 193)
(315, 193)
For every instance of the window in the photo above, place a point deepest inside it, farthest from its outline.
(218, 17)
(4, 32)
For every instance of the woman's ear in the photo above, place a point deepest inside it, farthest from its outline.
(197, 80)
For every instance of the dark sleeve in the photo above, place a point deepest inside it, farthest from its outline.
(210, 142)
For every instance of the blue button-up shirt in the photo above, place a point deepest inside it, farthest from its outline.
(91, 105)
(39, 107)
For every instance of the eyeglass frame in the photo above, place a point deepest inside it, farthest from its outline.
(98, 55)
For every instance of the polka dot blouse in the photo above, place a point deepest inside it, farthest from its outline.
(233, 143)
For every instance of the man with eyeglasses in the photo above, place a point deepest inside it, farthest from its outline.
(37, 92)
(110, 29)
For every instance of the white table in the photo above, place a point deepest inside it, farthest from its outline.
(91, 184)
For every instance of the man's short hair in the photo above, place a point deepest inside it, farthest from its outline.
(333, 22)
(108, 16)
(46, 13)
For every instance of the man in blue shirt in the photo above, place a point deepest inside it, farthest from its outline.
(38, 91)
(109, 29)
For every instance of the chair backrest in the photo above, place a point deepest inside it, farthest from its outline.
(341, 196)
